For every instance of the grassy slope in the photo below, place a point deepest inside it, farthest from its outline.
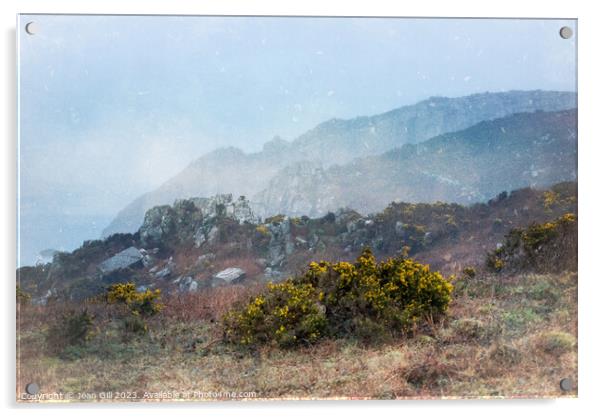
(505, 335)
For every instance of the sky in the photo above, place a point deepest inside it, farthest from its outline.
(112, 106)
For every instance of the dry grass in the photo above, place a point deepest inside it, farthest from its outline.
(208, 305)
(505, 336)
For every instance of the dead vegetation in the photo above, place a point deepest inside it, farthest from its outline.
(504, 336)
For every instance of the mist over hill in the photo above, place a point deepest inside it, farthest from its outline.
(334, 142)
(522, 150)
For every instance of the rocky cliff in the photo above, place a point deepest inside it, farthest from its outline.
(335, 142)
(218, 241)
(522, 150)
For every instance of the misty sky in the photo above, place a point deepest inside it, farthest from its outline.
(110, 107)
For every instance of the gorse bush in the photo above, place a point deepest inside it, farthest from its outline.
(140, 303)
(469, 272)
(289, 313)
(540, 246)
(366, 300)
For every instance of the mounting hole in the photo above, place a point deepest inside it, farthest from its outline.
(566, 32)
(566, 384)
(31, 28)
(32, 388)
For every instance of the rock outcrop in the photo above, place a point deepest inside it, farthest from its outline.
(186, 285)
(166, 271)
(335, 142)
(221, 206)
(229, 276)
(283, 246)
(127, 258)
(281, 242)
(195, 219)
(465, 167)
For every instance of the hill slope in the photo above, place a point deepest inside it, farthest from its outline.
(334, 142)
(201, 243)
(523, 150)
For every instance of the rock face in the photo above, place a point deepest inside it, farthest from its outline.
(221, 206)
(336, 142)
(205, 260)
(148, 258)
(186, 285)
(281, 242)
(158, 222)
(170, 223)
(167, 270)
(287, 190)
(45, 256)
(281, 247)
(270, 274)
(125, 259)
(194, 219)
(468, 166)
(230, 275)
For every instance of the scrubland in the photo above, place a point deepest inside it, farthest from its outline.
(504, 335)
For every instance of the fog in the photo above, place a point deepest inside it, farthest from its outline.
(111, 107)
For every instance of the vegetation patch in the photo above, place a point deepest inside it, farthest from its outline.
(139, 304)
(540, 246)
(556, 343)
(72, 329)
(364, 300)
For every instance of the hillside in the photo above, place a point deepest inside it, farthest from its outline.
(507, 333)
(204, 243)
(339, 141)
(522, 150)
(333, 142)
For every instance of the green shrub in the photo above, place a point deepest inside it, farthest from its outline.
(540, 246)
(364, 300)
(469, 272)
(494, 262)
(72, 329)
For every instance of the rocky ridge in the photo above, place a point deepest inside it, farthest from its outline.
(166, 253)
(334, 142)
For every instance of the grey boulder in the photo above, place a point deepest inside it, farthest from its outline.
(230, 275)
(127, 258)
